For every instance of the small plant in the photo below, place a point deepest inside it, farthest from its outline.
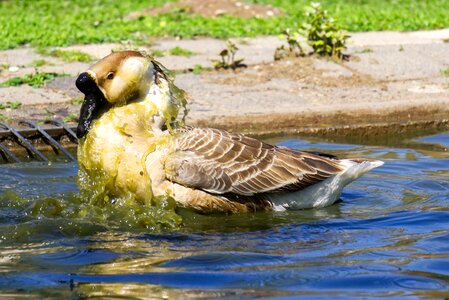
(445, 72)
(180, 52)
(322, 32)
(38, 63)
(67, 55)
(4, 118)
(157, 53)
(294, 47)
(228, 60)
(35, 80)
(11, 104)
(197, 69)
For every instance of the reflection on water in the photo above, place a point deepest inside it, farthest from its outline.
(387, 237)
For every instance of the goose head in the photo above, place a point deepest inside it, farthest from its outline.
(119, 79)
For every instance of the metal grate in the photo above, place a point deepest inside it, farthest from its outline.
(33, 142)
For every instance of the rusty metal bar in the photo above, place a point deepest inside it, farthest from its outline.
(8, 155)
(56, 146)
(24, 142)
(70, 133)
(31, 133)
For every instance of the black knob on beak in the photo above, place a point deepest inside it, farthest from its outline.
(85, 83)
(94, 103)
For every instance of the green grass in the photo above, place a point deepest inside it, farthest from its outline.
(197, 69)
(4, 118)
(445, 72)
(11, 104)
(178, 51)
(44, 23)
(35, 80)
(67, 55)
(157, 53)
(38, 63)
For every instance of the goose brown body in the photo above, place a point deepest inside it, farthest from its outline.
(201, 168)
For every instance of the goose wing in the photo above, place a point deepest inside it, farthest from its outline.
(221, 162)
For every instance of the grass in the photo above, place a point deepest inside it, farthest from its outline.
(157, 53)
(35, 80)
(445, 72)
(4, 118)
(197, 69)
(11, 104)
(67, 55)
(180, 52)
(177, 51)
(47, 23)
(38, 63)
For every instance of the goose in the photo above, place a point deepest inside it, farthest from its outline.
(130, 146)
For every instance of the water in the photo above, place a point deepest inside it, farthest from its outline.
(387, 237)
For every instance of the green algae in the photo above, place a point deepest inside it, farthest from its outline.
(74, 214)
(177, 98)
(124, 210)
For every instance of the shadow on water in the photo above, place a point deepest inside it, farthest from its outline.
(387, 237)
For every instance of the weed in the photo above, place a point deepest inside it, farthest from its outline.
(294, 47)
(11, 104)
(228, 60)
(67, 55)
(401, 48)
(180, 51)
(4, 118)
(35, 80)
(197, 69)
(445, 72)
(323, 33)
(38, 63)
(157, 53)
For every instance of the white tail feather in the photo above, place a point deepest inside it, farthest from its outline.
(327, 191)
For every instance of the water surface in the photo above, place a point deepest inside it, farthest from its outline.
(387, 237)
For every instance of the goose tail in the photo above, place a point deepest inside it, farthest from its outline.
(354, 168)
(328, 191)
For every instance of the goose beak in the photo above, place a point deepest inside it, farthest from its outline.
(93, 104)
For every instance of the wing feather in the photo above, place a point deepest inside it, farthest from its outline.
(221, 162)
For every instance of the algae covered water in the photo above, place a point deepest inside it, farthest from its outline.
(389, 236)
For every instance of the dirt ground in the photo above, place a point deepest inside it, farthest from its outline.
(213, 8)
(390, 78)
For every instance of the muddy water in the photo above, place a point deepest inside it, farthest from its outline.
(389, 236)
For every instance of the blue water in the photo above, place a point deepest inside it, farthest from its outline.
(388, 237)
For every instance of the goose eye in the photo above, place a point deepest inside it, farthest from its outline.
(110, 75)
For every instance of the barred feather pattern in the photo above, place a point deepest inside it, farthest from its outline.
(221, 162)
